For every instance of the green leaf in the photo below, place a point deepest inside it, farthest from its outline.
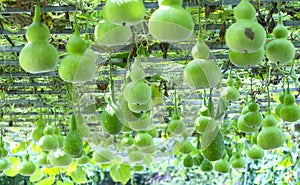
(47, 181)
(11, 171)
(79, 176)
(38, 175)
(120, 173)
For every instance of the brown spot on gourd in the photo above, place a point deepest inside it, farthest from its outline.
(249, 33)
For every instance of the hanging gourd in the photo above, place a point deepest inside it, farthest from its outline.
(246, 59)
(49, 141)
(271, 136)
(143, 140)
(201, 73)
(230, 93)
(26, 168)
(38, 132)
(206, 166)
(188, 161)
(73, 144)
(255, 152)
(112, 118)
(280, 50)
(289, 111)
(246, 35)
(222, 166)
(78, 66)
(213, 145)
(124, 12)
(170, 22)
(109, 34)
(38, 56)
(200, 50)
(59, 158)
(237, 161)
(43, 160)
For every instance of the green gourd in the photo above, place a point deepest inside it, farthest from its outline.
(111, 119)
(49, 141)
(269, 120)
(280, 105)
(26, 168)
(38, 132)
(109, 34)
(59, 158)
(206, 166)
(205, 123)
(136, 71)
(4, 164)
(198, 159)
(270, 138)
(43, 160)
(243, 127)
(215, 150)
(230, 93)
(188, 161)
(201, 73)
(79, 65)
(170, 22)
(255, 152)
(128, 114)
(237, 161)
(222, 166)
(137, 92)
(186, 147)
(200, 50)
(143, 140)
(176, 127)
(141, 108)
(242, 59)
(103, 156)
(38, 56)
(73, 144)
(127, 141)
(125, 12)
(289, 111)
(83, 160)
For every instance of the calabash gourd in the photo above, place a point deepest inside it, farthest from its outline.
(215, 150)
(280, 105)
(206, 166)
(270, 138)
(112, 119)
(136, 157)
(243, 127)
(26, 168)
(38, 132)
(201, 73)
(230, 93)
(38, 56)
(124, 12)
(43, 160)
(186, 147)
(109, 34)
(280, 50)
(253, 118)
(59, 158)
(188, 161)
(205, 123)
(222, 166)
(127, 141)
(246, 35)
(170, 22)
(200, 50)
(49, 141)
(73, 144)
(176, 127)
(4, 164)
(289, 111)
(137, 92)
(237, 161)
(143, 140)
(254, 137)
(197, 159)
(78, 66)
(255, 152)
(103, 156)
(136, 71)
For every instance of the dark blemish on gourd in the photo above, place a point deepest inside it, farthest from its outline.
(249, 33)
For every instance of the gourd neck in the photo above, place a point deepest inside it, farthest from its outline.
(37, 13)
(73, 123)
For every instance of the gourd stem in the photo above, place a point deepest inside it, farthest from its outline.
(175, 102)
(204, 97)
(268, 84)
(112, 90)
(37, 13)
(210, 103)
(199, 20)
(251, 88)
